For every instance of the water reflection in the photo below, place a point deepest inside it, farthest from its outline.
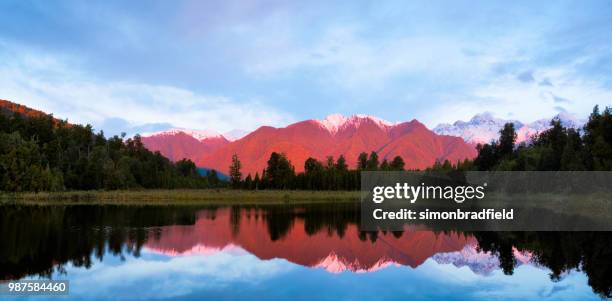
(58, 240)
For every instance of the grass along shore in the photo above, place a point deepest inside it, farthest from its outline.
(221, 196)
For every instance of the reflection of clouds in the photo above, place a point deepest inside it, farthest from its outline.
(528, 282)
(139, 278)
(228, 275)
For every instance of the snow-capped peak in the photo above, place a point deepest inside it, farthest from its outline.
(484, 127)
(335, 264)
(334, 122)
(481, 263)
(197, 134)
(483, 117)
(234, 135)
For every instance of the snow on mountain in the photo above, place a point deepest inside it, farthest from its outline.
(336, 264)
(235, 134)
(335, 122)
(198, 249)
(335, 136)
(483, 128)
(177, 144)
(197, 134)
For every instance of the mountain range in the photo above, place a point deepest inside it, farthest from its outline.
(339, 135)
(334, 136)
(483, 128)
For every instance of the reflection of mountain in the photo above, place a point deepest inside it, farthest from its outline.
(325, 249)
(316, 235)
(482, 263)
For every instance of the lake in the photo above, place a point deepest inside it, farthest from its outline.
(279, 252)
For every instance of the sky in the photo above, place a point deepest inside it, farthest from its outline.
(142, 66)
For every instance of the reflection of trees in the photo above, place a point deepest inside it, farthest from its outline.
(39, 240)
(559, 251)
(35, 239)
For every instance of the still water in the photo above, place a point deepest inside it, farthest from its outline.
(288, 252)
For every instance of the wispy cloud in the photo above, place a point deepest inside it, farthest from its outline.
(49, 84)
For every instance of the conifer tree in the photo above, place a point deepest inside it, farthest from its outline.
(341, 164)
(397, 163)
(384, 166)
(372, 163)
(234, 172)
(362, 161)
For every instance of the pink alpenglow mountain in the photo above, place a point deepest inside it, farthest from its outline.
(177, 144)
(484, 128)
(339, 135)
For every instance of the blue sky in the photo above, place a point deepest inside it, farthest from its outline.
(240, 64)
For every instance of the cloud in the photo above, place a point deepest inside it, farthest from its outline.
(347, 57)
(50, 84)
(116, 126)
(510, 98)
(546, 83)
(260, 60)
(559, 99)
(174, 277)
(526, 77)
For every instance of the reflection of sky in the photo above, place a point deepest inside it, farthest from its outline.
(238, 275)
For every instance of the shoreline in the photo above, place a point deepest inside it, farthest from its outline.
(221, 196)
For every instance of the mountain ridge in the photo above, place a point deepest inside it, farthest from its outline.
(484, 127)
(411, 140)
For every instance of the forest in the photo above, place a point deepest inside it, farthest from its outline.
(41, 153)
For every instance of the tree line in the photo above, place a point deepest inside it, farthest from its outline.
(329, 175)
(42, 153)
(558, 148)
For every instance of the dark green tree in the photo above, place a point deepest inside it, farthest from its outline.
(256, 182)
(372, 163)
(507, 138)
(279, 172)
(362, 161)
(234, 172)
(341, 164)
(384, 166)
(186, 168)
(397, 163)
(248, 182)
